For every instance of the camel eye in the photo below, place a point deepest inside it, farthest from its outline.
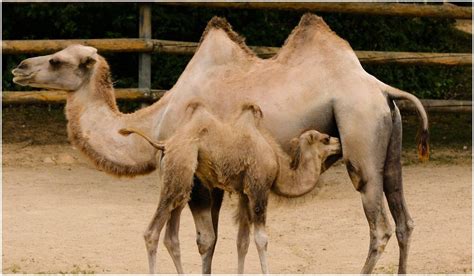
(325, 140)
(23, 66)
(55, 62)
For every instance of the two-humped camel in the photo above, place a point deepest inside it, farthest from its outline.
(314, 82)
(239, 157)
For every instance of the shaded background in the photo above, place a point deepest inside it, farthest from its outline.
(260, 27)
(45, 123)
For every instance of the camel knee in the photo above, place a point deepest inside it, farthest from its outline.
(381, 238)
(205, 242)
(261, 240)
(260, 236)
(243, 245)
(151, 242)
(147, 236)
(171, 243)
(404, 232)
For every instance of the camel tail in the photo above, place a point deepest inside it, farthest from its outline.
(128, 131)
(422, 138)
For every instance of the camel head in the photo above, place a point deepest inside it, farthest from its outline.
(313, 143)
(67, 69)
(320, 142)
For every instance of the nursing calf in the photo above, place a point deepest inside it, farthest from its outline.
(238, 157)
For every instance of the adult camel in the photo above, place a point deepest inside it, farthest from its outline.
(314, 82)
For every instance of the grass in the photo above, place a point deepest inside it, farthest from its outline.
(14, 268)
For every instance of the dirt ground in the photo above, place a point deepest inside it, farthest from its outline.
(61, 215)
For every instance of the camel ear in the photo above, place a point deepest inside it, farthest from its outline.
(87, 57)
(88, 62)
(294, 144)
(296, 150)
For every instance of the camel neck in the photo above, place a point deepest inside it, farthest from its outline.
(296, 182)
(93, 124)
(103, 86)
(97, 90)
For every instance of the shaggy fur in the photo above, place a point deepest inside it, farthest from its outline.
(78, 140)
(288, 182)
(102, 83)
(238, 157)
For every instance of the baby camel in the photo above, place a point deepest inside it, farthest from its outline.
(238, 157)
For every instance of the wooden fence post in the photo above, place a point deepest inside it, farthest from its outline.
(144, 60)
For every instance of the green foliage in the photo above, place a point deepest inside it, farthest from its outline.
(260, 27)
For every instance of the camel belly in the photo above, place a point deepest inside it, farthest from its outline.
(285, 125)
(215, 176)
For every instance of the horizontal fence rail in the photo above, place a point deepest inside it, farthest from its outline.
(131, 94)
(29, 97)
(59, 96)
(394, 9)
(454, 106)
(188, 48)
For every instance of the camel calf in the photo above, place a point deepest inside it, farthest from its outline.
(238, 157)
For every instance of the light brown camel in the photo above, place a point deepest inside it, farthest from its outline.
(314, 82)
(239, 157)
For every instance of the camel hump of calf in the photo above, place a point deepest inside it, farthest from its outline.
(253, 110)
(256, 110)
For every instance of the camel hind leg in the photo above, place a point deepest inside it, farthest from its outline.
(393, 189)
(243, 240)
(364, 147)
(380, 229)
(257, 205)
(252, 210)
(178, 168)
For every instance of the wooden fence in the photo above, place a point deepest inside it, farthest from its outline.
(188, 48)
(390, 9)
(151, 95)
(145, 45)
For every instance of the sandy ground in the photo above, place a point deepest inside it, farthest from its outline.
(62, 215)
